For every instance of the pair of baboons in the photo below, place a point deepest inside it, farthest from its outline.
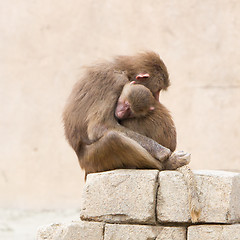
(113, 118)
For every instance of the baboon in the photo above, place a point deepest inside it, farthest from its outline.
(139, 111)
(91, 127)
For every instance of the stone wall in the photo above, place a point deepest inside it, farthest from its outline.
(148, 204)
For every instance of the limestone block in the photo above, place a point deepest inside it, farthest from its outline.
(214, 232)
(218, 193)
(172, 198)
(73, 231)
(143, 232)
(120, 196)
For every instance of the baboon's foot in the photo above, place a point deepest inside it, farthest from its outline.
(177, 159)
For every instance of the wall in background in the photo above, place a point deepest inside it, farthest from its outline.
(44, 44)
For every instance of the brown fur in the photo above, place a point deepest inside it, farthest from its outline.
(89, 115)
(156, 124)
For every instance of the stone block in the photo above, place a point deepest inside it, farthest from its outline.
(120, 196)
(143, 232)
(73, 231)
(218, 193)
(214, 232)
(172, 198)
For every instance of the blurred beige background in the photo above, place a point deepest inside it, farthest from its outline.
(44, 44)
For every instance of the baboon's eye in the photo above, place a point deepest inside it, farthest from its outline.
(142, 76)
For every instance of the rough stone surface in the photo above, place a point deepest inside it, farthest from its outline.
(218, 193)
(120, 196)
(141, 232)
(220, 196)
(73, 231)
(172, 198)
(214, 232)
